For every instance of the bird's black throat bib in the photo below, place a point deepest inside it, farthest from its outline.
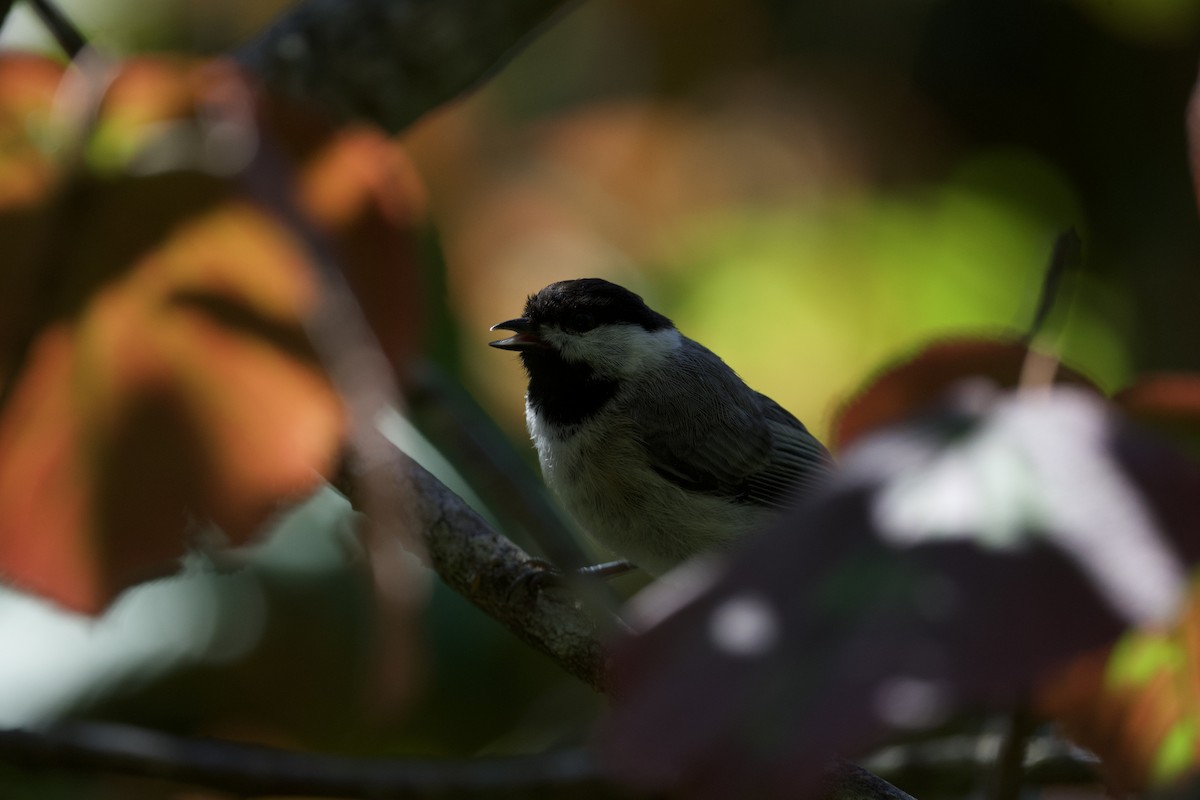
(564, 392)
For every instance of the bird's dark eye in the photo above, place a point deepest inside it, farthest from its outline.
(580, 322)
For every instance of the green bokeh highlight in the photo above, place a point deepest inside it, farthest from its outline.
(806, 302)
(1177, 752)
(1138, 657)
(1150, 21)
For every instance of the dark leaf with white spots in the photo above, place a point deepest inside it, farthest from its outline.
(950, 563)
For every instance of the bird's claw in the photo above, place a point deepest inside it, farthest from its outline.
(536, 576)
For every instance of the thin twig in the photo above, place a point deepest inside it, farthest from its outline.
(78, 99)
(5, 7)
(354, 360)
(1009, 770)
(61, 28)
(1040, 366)
(1065, 257)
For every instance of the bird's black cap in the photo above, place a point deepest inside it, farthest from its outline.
(582, 304)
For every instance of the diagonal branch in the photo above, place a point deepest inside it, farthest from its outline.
(484, 566)
(488, 569)
(62, 29)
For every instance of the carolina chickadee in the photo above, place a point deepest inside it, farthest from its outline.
(654, 445)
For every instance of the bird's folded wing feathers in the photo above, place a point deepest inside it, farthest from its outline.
(751, 451)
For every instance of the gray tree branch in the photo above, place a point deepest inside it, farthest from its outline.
(490, 571)
(484, 566)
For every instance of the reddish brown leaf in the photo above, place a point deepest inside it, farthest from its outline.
(1135, 704)
(181, 388)
(911, 386)
(363, 189)
(158, 373)
(1167, 402)
(27, 86)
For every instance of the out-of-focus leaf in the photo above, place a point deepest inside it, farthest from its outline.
(951, 562)
(368, 197)
(156, 366)
(1167, 402)
(208, 646)
(1137, 704)
(27, 85)
(176, 390)
(1133, 705)
(913, 385)
(1155, 23)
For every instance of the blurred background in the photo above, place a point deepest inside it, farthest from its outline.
(810, 189)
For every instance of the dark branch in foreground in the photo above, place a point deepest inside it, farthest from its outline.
(248, 770)
(252, 770)
(391, 61)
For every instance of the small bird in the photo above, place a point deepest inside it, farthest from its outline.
(656, 447)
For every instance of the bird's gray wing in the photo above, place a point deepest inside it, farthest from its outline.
(706, 431)
(798, 461)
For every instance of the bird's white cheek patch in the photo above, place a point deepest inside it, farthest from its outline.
(616, 351)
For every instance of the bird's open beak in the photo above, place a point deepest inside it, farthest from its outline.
(526, 337)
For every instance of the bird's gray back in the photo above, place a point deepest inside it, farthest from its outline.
(706, 431)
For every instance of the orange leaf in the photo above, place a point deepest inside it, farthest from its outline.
(364, 191)
(159, 375)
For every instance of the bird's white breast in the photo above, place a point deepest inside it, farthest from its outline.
(600, 473)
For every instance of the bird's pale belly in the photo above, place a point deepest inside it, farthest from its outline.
(634, 512)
